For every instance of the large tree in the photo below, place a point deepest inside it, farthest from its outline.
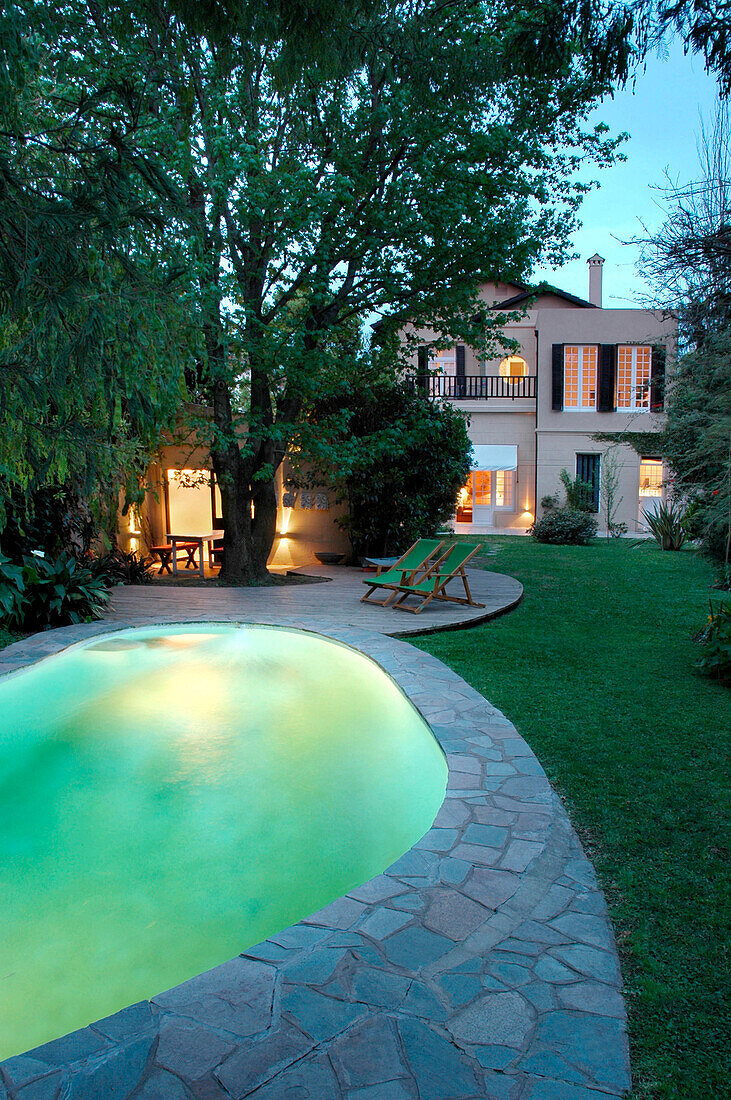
(697, 441)
(688, 260)
(688, 263)
(418, 148)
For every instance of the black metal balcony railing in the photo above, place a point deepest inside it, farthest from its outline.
(480, 387)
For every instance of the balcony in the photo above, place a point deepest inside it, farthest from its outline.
(480, 387)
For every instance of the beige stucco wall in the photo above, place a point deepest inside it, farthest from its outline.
(515, 429)
(522, 330)
(558, 450)
(595, 326)
(561, 435)
(301, 531)
(491, 293)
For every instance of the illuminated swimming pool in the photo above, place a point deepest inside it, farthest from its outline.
(172, 795)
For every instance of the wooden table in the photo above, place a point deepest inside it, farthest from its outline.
(201, 538)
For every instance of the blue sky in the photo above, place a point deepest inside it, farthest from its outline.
(662, 113)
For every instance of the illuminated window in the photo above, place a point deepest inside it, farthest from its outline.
(579, 376)
(476, 490)
(513, 366)
(481, 487)
(485, 489)
(189, 501)
(650, 477)
(633, 377)
(504, 488)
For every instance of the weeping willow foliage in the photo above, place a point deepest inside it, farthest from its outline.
(93, 318)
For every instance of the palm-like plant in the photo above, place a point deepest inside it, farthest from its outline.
(666, 524)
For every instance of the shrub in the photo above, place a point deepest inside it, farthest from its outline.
(398, 459)
(715, 639)
(45, 593)
(565, 526)
(616, 530)
(12, 587)
(666, 524)
(54, 519)
(579, 494)
(120, 567)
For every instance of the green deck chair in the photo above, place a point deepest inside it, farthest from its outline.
(414, 562)
(432, 587)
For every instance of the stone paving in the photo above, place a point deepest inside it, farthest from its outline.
(336, 600)
(481, 964)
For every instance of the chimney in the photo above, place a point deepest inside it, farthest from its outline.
(596, 263)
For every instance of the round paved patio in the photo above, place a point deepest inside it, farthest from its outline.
(337, 599)
(481, 964)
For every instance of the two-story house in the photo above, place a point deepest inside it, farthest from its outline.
(578, 369)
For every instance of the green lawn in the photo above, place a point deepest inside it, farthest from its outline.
(595, 669)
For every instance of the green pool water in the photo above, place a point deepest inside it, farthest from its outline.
(170, 796)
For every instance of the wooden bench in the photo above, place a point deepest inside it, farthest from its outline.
(165, 554)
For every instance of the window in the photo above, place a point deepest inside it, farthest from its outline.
(650, 477)
(580, 372)
(504, 488)
(513, 366)
(444, 365)
(190, 501)
(633, 377)
(485, 489)
(588, 469)
(444, 362)
(481, 484)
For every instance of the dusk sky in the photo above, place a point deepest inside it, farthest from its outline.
(663, 117)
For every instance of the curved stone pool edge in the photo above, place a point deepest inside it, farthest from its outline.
(481, 964)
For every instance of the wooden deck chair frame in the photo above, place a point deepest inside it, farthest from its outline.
(422, 568)
(441, 580)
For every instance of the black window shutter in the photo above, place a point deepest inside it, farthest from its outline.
(459, 364)
(557, 377)
(657, 378)
(422, 370)
(607, 378)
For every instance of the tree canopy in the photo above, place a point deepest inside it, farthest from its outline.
(703, 25)
(291, 180)
(89, 325)
(698, 440)
(688, 260)
(393, 456)
(689, 265)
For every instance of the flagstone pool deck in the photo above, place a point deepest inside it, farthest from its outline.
(481, 964)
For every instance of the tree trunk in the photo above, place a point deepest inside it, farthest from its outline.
(247, 539)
